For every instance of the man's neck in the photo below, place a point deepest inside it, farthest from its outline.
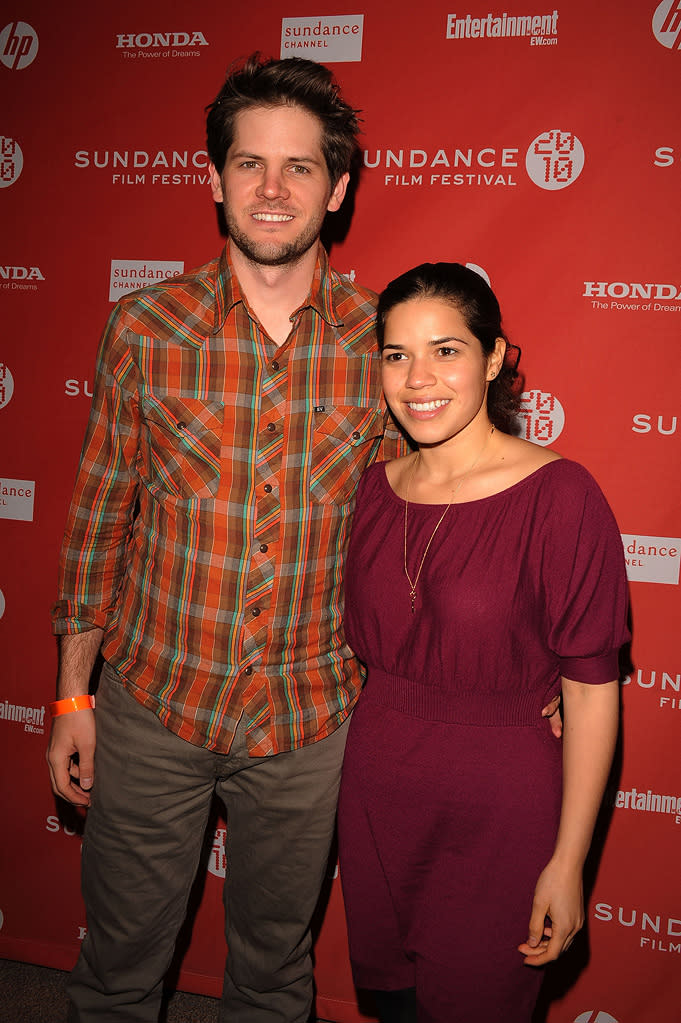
(275, 292)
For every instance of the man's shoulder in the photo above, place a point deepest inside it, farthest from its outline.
(355, 306)
(181, 304)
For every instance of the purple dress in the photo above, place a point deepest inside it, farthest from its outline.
(451, 785)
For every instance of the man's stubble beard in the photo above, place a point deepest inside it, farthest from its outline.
(273, 254)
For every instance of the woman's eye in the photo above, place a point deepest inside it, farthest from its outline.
(392, 356)
(447, 351)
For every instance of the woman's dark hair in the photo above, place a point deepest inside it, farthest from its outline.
(289, 82)
(468, 292)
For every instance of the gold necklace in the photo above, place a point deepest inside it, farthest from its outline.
(413, 583)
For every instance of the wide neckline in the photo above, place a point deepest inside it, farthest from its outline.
(476, 500)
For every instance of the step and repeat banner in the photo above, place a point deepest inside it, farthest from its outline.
(541, 145)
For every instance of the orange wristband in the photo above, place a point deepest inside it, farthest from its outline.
(71, 704)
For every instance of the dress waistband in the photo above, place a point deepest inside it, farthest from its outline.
(435, 702)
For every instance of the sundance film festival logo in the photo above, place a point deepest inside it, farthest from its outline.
(664, 685)
(667, 24)
(18, 45)
(6, 385)
(542, 29)
(132, 274)
(656, 933)
(11, 161)
(331, 40)
(652, 559)
(141, 167)
(542, 417)
(553, 160)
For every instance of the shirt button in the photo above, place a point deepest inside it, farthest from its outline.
(263, 548)
(267, 488)
(271, 427)
(182, 425)
(255, 611)
(356, 435)
(248, 670)
(275, 366)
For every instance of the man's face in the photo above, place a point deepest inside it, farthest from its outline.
(275, 187)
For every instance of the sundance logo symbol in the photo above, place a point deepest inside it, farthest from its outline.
(331, 40)
(11, 161)
(132, 274)
(652, 559)
(6, 385)
(217, 860)
(543, 417)
(18, 45)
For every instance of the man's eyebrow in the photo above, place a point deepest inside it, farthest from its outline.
(242, 154)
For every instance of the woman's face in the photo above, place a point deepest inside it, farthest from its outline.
(435, 374)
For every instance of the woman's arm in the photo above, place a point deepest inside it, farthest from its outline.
(589, 736)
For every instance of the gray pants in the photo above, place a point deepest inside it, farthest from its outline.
(143, 838)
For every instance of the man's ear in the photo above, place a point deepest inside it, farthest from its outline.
(338, 193)
(215, 183)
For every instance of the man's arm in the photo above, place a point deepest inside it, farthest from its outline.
(74, 733)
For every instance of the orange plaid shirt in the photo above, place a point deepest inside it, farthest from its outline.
(208, 527)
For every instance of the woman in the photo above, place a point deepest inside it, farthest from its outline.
(485, 575)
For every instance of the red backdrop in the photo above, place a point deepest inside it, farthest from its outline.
(543, 148)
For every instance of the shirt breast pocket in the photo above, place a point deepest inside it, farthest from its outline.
(180, 447)
(345, 439)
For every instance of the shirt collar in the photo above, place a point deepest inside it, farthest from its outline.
(320, 298)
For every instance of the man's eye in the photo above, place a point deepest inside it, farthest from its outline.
(298, 168)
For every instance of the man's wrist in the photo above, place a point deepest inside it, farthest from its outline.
(72, 703)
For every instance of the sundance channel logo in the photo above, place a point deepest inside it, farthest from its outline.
(667, 24)
(11, 161)
(18, 45)
(327, 40)
(16, 499)
(553, 161)
(652, 559)
(133, 274)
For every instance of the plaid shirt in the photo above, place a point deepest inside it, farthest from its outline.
(208, 527)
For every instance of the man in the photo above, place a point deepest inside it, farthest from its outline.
(234, 411)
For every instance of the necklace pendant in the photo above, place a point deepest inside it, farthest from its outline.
(412, 594)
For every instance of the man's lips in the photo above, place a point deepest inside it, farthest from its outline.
(264, 217)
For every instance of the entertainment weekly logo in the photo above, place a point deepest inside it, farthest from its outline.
(633, 296)
(542, 417)
(16, 499)
(6, 385)
(133, 274)
(146, 167)
(541, 29)
(664, 686)
(32, 718)
(652, 559)
(653, 931)
(553, 161)
(667, 24)
(327, 40)
(645, 801)
(18, 45)
(160, 45)
(11, 161)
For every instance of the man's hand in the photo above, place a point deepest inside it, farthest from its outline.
(72, 735)
(552, 712)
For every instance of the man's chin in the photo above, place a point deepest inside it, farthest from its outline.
(264, 254)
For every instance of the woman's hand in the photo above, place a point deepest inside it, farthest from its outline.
(558, 896)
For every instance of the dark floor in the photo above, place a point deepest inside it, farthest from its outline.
(35, 994)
